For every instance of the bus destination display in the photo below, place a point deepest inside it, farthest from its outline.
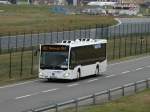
(54, 48)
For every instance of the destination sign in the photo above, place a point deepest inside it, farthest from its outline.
(54, 48)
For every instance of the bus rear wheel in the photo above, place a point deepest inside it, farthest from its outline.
(97, 71)
(48, 79)
(78, 74)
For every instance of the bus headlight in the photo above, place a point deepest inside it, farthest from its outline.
(66, 74)
(40, 73)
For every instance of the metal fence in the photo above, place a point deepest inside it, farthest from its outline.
(33, 38)
(17, 51)
(96, 98)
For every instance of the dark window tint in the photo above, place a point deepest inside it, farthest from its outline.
(89, 54)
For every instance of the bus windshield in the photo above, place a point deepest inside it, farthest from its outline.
(54, 60)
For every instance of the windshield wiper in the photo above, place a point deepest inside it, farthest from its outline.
(43, 66)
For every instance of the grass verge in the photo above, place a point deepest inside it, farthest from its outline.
(135, 103)
(17, 66)
(27, 18)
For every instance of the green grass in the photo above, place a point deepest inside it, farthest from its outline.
(12, 69)
(135, 103)
(26, 18)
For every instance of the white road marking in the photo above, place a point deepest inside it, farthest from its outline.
(25, 96)
(72, 85)
(125, 72)
(18, 84)
(22, 97)
(50, 90)
(92, 80)
(28, 95)
(139, 68)
(111, 75)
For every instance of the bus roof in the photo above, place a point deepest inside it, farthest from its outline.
(81, 42)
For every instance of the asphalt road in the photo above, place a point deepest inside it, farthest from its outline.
(32, 94)
(139, 25)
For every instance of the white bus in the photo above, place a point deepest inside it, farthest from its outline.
(73, 59)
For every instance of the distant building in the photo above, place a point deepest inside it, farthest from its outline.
(131, 1)
(78, 2)
(49, 2)
(74, 2)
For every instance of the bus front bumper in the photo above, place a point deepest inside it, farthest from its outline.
(55, 75)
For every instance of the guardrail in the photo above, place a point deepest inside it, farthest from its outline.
(93, 97)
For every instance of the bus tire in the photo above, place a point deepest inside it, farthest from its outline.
(78, 74)
(97, 71)
(48, 79)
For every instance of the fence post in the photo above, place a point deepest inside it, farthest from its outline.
(131, 40)
(80, 31)
(145, 37)
(120, 43)
(107, 31)
(125, 46)
(109, 94)
(44, 36)
(9, 42)
(63, 33)
(57, 35)
(96, 31)
(31, 38)
(38, 41)
(148, 39)
(16, 41)
(21, 62)
(56, 107)
(69, 31)
(23, 41)
(85, 28)
(146, 42)
(123, 91)
(147, 83)
(94, 99)
(0, 45)
(141, 41)
(74, 34)
(10, 62)
(89, 31)
(114, 44)
(102, 31)
(136, 43)
(51, 37)
(32, 61)
(76, 103)
(135, 87)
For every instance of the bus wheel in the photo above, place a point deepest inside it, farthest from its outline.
(78, 74)
(48, 79)
(97, 71)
